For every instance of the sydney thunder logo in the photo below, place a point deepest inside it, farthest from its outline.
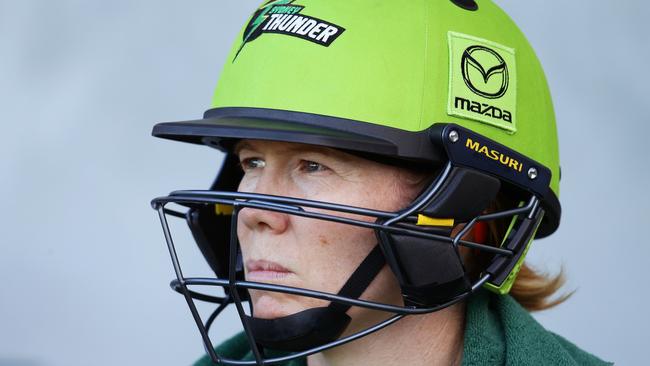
(283, 17)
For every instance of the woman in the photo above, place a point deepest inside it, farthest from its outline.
(387, 167)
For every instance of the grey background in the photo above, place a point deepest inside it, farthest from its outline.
(83, 266)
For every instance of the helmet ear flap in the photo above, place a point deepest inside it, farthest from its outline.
(431, 271)
(465, 195)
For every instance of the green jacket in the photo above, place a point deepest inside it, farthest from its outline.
(498, 331)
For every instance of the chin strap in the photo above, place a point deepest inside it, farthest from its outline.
(316, 326)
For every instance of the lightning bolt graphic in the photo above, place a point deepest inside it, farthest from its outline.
(261, 17)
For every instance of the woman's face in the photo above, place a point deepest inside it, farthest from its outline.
(308, 253)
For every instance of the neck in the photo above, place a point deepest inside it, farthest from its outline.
(429, 339)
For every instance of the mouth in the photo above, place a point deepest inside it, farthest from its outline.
(263, 270)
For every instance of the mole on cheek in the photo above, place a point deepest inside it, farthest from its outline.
(322, 240)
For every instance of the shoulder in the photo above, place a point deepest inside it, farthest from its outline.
(580, 356)
(500, 331)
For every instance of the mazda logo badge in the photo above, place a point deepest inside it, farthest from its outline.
(477, 82)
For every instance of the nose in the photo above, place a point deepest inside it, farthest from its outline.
(264, 220)
(260, 219)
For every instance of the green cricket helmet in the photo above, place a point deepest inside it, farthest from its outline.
(449, 85)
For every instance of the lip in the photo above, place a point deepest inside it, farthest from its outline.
(263, 270)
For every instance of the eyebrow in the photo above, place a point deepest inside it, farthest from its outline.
(240, 145)
(300, 147)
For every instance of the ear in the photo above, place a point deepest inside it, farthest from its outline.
(478, 233)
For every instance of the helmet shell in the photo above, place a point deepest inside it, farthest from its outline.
(399, 65)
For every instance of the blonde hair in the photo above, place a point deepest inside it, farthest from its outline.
(536, 290)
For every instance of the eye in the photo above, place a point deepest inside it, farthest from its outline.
(309, 166)
(252, 163)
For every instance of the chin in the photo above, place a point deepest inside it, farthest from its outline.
(269, 306)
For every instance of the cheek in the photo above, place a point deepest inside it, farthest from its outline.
(330, 252)
(380, 192)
